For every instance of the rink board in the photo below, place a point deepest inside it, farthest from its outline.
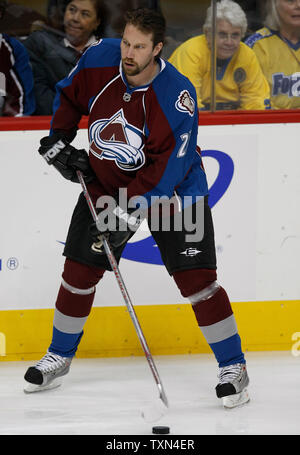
(254, 178)
(169, 329)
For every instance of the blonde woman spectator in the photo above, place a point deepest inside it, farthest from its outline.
(240, 83)
(277, 47)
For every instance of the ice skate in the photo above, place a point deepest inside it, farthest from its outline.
(47, 373)
(232, 387)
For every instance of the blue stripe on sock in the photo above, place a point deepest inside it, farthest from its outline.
(65, 344)
(229, 351)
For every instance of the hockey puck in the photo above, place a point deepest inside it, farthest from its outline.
(160, 430)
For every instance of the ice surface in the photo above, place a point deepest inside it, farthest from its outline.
(105, 397)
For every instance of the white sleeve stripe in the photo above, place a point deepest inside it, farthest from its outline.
(21, 97)
(15, 79)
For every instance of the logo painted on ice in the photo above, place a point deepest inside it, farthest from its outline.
(115, 139)
(146, 250)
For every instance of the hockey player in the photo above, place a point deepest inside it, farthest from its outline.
(240, 83)
(142, 129)
(277, 47)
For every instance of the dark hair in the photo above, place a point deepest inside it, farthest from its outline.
(148, 21)
(102, 14)
(57, 8)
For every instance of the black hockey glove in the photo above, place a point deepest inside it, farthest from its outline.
(65, 158)
(116, 224)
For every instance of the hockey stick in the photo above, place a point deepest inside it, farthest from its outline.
(127, 300)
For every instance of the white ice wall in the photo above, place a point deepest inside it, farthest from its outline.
(257, 220)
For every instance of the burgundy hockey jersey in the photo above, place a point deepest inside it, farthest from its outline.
(16, 79)
(142, 138)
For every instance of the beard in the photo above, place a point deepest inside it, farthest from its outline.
(134, 69)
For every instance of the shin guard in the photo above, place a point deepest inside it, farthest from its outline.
(213, 313)
(73, 305)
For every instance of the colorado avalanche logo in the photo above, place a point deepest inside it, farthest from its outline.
(185, 103)
(115, 139)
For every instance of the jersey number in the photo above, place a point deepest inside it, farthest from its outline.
(184, 146)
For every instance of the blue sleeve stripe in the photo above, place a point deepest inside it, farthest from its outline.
(23, 72)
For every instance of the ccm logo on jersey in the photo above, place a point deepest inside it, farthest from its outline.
(55, 150)
(185, 103)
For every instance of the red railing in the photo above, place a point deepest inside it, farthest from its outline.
(205, 118)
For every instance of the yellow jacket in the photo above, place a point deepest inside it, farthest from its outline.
(240, 82)
(280, 61)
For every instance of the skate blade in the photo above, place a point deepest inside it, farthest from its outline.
(32, 388)
(232, 401)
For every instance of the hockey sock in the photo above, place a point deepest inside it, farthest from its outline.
(73, 305)
(213, 313)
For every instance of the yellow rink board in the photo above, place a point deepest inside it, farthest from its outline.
(169, 329)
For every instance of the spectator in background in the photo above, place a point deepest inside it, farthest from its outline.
(16, 80)
(240, 83)
(115, 11)
(54, 53)
(277, 47)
